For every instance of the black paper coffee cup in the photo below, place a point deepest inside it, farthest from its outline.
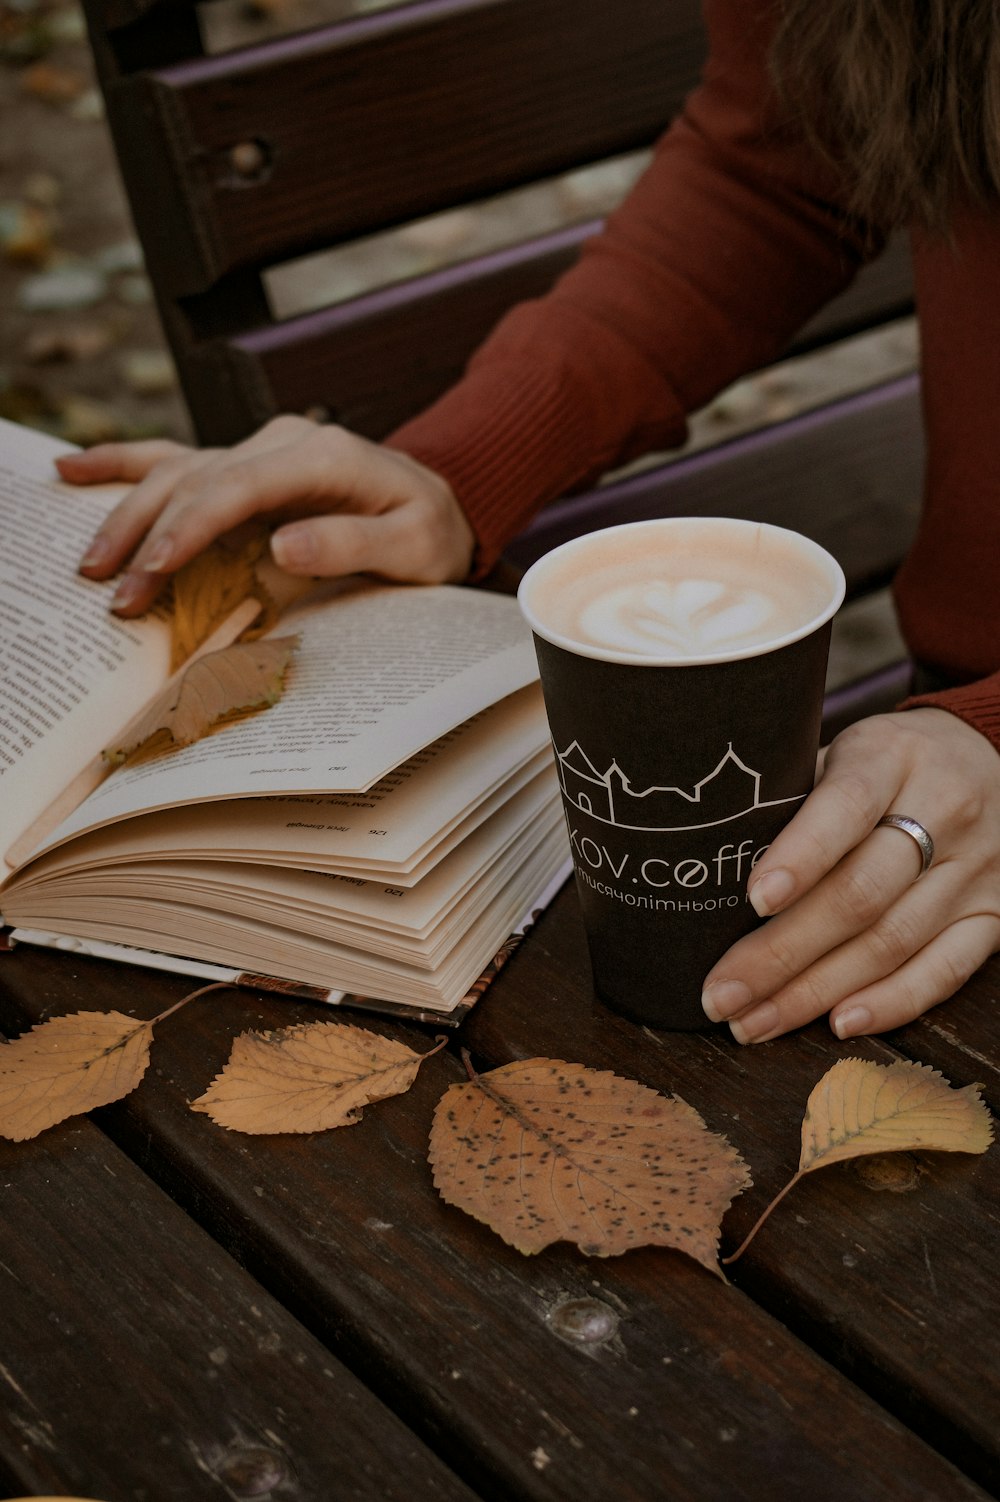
(678, 765)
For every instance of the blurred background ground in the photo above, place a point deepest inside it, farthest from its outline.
(81, 353)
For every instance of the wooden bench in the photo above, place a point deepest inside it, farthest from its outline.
(238, 163)
(187, 1313)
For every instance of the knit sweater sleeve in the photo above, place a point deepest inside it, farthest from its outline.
(731, 239)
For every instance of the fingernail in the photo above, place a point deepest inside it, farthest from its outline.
(293, 547)
(159, 556)
(127, 592)
(852, 1021)
(770, 892)
(757, 1025)
(96, 554)
(721, 998)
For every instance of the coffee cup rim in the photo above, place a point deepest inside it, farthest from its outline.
(578, 648)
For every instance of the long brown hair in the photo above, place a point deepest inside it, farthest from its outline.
(902, 95)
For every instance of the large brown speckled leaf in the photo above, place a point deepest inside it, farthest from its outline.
(546, 1151)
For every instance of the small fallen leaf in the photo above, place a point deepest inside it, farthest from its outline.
(69, 343)
(307, 1078)
(245, 676)
(56, 85)
(25, 233)
(148, 372)
(545, 1151)
(860, 1107)
(69, 1065)
(209, 588)
(74, 283)
(75, 1063)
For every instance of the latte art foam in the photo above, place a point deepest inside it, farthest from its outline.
(687, 616)
(681, 590)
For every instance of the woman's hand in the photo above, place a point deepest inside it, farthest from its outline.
(345, 506)
(855, 933)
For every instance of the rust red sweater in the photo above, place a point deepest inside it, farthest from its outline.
(733, 237)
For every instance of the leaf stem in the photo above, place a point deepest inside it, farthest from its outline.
(467, 1061)
(733, 1256)
(216, 985)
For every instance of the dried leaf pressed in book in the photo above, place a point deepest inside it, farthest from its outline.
(69, 1065)
(860, 1107)
(307, 1078)
(245, 676)
(207, 590)
(546, 1151)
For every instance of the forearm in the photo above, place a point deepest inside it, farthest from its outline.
(729, 242)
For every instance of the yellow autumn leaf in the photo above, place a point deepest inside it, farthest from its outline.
(544, 1151)
(210, 587)
(69, 1065)
(860, 1107)
(245, 676)
(307, 1078)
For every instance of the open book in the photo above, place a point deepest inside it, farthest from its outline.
(376, 837)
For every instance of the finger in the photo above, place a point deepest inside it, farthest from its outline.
(931, 976)
(255, 478)
(907, 928)
(124, 528)
(850, 900)
(136, 593)
(854, 791)
(400, 543)
(116, 461)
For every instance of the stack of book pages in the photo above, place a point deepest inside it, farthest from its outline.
(375, 837)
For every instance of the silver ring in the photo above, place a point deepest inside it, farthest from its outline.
(917, 832)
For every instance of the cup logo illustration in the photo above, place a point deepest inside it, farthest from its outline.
(729, 791)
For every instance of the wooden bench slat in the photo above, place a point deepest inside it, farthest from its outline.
(138, 1360)
(699, 1395)
(374, 361)
(539, 86)
(848, 475)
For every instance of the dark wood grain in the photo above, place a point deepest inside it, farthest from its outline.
(391, 116)
(962, 1038)
(898, 1289)
(137, 1360)
(694, 1393)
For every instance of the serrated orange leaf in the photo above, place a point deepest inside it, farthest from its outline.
(545, 1151)
(245, 676)
(861, 1107)
(210, 587)
(69, 1065)
(307, 1078)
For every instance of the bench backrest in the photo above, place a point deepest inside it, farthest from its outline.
(237, 163)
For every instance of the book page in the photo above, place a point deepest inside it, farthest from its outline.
(381, 671)
(406, 821)
(70, 673)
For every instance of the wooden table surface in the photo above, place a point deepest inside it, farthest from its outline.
(188, 1313)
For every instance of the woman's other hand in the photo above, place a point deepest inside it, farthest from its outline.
(343, 505)
(855, 933)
